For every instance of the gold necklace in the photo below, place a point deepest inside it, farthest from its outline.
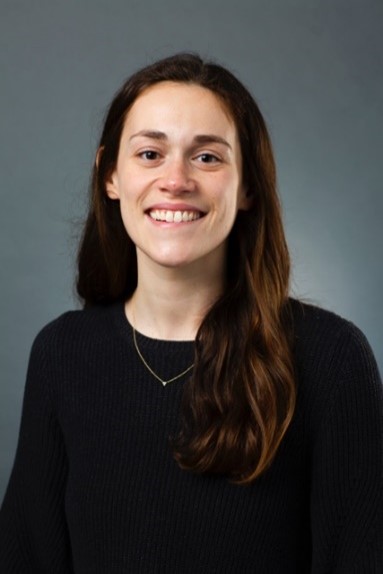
(151, 370)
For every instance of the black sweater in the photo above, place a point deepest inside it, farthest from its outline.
(95, 489)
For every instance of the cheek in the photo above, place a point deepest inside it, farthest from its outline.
(132, 182)
(128, 210)
(127, 221)
(227, 198)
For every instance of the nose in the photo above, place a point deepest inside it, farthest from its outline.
(176, 177)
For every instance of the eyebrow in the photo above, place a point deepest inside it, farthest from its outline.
(154, 135)
(201, 139)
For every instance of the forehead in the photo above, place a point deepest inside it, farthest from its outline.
(180, 104)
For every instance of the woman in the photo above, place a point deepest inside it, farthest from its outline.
(193, 418)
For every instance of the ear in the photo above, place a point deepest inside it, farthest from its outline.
(111, 181)
(245, 199)
(111, 186)
(99, 153)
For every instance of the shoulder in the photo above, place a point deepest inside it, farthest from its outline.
(336, 372)
(309, 318)
(76, 352)
(325, 336)
(331, 356)
(77, 329)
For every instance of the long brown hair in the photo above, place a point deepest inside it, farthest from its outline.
(240, 399)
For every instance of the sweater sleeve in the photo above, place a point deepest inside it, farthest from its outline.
(33, 533)
(347, 466)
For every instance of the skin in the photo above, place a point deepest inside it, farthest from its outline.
(178, 180)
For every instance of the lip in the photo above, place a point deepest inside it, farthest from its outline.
(174, 207)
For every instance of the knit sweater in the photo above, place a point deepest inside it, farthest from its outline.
(95, 488)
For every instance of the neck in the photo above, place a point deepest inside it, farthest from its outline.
(170, 304)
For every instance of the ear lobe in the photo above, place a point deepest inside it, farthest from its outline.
(99, 155)
(246, 200)
(112, 187)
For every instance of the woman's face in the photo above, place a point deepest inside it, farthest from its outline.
(178, 176)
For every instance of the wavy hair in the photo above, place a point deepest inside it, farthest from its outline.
(241, 396)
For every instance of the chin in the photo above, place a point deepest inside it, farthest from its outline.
(173, 263)
(171, 258)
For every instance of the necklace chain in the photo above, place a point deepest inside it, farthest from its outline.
(151, 370)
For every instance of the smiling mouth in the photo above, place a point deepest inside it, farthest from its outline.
(174, 216)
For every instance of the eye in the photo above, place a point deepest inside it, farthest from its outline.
(149, 155)
(208, 158)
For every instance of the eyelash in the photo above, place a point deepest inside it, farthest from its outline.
(145, 153)
(153, 155)
(211, 156)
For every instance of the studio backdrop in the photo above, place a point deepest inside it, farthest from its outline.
(315, 68)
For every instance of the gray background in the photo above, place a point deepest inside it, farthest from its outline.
(315, 67)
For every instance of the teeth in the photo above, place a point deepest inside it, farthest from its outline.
(174, 216)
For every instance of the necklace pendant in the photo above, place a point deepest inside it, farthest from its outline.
(149, 368)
